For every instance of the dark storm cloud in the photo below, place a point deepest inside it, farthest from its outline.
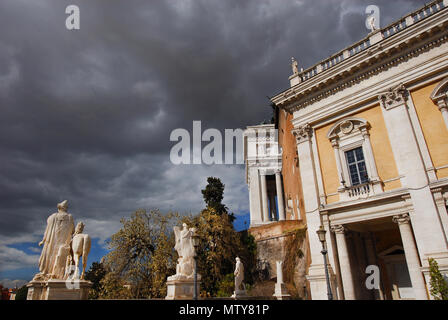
(86, 115)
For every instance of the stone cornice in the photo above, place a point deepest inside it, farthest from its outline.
(432, 69)
(390, 52)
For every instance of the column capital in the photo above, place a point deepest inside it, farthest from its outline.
(442, 104)
(365, 134)
(339, 229)
(278, 171)
(364, 128)
(303, 133)
(262, 172)
(334, 141)
(394, 97)
(401, 219)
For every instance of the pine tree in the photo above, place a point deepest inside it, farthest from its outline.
(95, 274)
(214, 194)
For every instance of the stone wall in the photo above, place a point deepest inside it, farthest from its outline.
(292, 182)
(272, 241)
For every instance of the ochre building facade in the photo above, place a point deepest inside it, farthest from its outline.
(362, 150)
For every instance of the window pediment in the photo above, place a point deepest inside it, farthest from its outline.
(355, 163)
(348, 127)
(440, 91)
(440, 97)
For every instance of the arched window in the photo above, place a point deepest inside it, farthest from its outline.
(358, 176)
(440, 98)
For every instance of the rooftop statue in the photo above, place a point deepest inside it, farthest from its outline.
(372, 21)
(295, 66)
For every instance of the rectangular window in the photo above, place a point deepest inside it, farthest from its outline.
(357, 166)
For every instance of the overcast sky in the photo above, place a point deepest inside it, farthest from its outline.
(86, 115)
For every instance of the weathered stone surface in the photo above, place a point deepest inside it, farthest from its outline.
(59, 290)
(271, 242)
(181, 289)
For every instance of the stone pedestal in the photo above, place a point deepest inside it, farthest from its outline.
(181, 289)
(280, 292)
(238, 294)
(59, 290)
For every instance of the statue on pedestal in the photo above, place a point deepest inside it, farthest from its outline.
(181, 285)
(61, 247)
(185, 249)
(239, 277)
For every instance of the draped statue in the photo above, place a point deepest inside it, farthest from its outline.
(240, 287)
(56, 242)
(59, 261)
(239, 275)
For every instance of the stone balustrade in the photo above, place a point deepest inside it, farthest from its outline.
(373, 38)
(358, 190)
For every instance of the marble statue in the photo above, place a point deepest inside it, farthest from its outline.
(239, 274)
(186, 252)
(371, 21)
(295, 66)
(56, 244)
(62, 247)
(182, 284)
(80, 247)
(240, 287)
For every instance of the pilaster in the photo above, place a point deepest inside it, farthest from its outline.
(428, 230)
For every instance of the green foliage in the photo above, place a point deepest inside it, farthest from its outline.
(219, 245)
(142, 256)
(214, 194)
(142, 252)
(113, 287)
(226, 286)
(95, 274)
(439, 286)
(22, 293)
(248, 254)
